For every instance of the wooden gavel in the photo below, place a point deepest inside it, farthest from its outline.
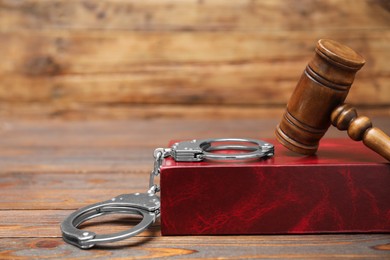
(317, 101)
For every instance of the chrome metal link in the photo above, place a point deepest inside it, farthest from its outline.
(147, 204)
(159, 155)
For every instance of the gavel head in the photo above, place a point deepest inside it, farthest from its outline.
(323, 86)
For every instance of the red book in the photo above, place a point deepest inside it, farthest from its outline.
(344, 188)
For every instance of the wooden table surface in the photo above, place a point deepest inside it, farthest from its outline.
(50, 168)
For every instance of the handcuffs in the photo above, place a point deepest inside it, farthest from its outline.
(147, 205)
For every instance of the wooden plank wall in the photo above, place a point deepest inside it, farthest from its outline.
(77, 59)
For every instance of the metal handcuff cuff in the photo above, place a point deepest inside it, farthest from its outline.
(147, 204)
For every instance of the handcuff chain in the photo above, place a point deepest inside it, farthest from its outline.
(147, 205)
(159, 155)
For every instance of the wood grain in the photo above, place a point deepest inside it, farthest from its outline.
(80, 112)
(43, 191)
(323, 86)
(74, 57)
(16, 225)
(227, 247)
(148, 68)
(48, 168)
(194, 15)
(360, 128)
(50, 146)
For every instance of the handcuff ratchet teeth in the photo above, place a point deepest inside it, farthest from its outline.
(147, 205)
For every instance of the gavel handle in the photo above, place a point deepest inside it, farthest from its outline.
(360, 128)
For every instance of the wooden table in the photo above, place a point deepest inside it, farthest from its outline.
(50, 168)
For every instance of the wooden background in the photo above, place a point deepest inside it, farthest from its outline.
(200, 69)
(78, 59)
(49, 168)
